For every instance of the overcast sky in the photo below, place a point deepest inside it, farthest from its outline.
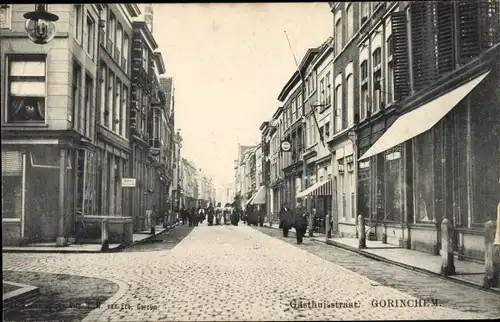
(229, 63)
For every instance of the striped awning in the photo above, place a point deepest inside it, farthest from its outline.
(260, 197)
(322, 188)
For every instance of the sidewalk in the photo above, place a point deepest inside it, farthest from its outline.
(137, 238)
(469, 273)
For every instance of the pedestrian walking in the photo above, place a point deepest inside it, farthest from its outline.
(210, 215)
(153, 220)
(300, 221)
(235, 214)
(227, 213)
(218, 214)
(195, 217)
(285, 220)
(184, 215)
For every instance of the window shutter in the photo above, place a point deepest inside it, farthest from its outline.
(489, 13)
(11, 163)
(400, 55)
(445, 37)
(468, 21)
(423, 34)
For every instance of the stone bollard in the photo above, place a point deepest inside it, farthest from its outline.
(361, 232)
(384, 235)
(448, 263)
(104, 235)
(491, 260)
(327, 227)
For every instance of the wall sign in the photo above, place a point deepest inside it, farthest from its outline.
(128, 182)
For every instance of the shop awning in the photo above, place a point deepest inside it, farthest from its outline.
(422, 119)
(322, 188)
(260, 197)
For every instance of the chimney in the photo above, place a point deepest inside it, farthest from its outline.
(148, 16)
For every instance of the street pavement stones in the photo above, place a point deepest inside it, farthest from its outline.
(228, 273)
(450, 294)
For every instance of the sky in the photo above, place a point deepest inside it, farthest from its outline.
(229, 62)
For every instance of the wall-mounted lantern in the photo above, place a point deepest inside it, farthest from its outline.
(40, 25)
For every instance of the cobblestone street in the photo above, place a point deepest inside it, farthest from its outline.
(234, 273)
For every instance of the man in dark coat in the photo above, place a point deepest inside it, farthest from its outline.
(286, 220)
(300, 221)
(210, 215)
(235, 214)
(184, 215)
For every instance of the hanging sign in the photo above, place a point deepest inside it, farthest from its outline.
(286, 146)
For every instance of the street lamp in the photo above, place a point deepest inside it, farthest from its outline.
(40, 26)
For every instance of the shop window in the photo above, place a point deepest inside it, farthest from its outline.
(26, 89)
(424, 177)
(393, 180)
(80, 181)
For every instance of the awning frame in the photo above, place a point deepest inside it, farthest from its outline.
(310, 190)
(422, 118)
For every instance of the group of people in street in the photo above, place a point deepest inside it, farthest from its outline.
(229, 214)
(297, 218)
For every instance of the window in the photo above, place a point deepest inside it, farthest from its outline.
(77, 20)
(338, 109)
(119, 43)
(390, 71)
(76, 95)
(364, 99)
(124, 110)
(5, 16)
(111, 100)
(103, 108)
(327, 130)
(145, 57)
(118, 104)
(89, 86)
(342, 190)
(328, 89)
(349, 21)
(377, 79)
(90, 36)
(322, 92)
(364, 71)
(298, 112)
(27, 89)
(377, 58)
(111, 33)
(338, 36)
(294, 111)
(364, 11)
(350, 100)
(104, 17)
(125, 50)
